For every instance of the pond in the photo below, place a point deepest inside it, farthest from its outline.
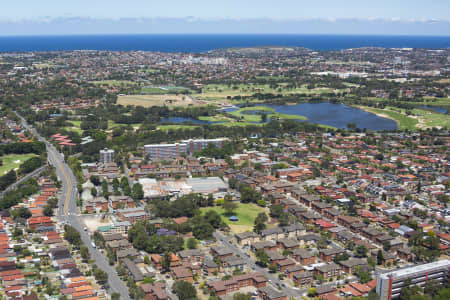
(336, 115)
(438, 109)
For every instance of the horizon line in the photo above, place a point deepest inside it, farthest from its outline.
(221, 33)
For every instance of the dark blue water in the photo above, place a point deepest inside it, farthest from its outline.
(206, 42)
(336, 115)
(438, 109)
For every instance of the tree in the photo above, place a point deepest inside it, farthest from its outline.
(21, 212)
(361, 251)
(312, 292)
(84, 251)
(115, 296)
(191, 243)
(386, 246)
(184, 290)
(48, 211)
(432, 288)
(100, 275)
(137, 192)
(165, 262)
(203, 231)
(229, 206)
(213, 218)
(260, 222)
(283, 219)
(363, 276)
(410, 291)
(241, 296)
(105, 191)
(263, 258)
(273, 268)
(380, 257)
(72, 236)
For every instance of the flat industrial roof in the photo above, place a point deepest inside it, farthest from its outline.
(414, 269)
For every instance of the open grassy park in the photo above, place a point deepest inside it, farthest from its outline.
(158, 100)
(246, 212)
(76, 126)
(419, 118)
(13, 161)
(223, 91)
(403, 121)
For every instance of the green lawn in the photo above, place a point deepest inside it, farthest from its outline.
(13, 161)
(176, 127)
(403, 121)
(222, 91)
(245, 212)
(432, 119)
(217, 118)
(75, 127)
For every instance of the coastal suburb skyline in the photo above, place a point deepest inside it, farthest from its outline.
(383, 17)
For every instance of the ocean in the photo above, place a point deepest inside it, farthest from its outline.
(205, 42)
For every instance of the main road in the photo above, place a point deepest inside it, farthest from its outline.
(68, 212)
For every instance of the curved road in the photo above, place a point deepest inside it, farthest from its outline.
(68, 212)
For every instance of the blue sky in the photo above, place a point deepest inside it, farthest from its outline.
(21, 16)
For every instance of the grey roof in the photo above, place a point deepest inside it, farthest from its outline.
(302, 275)
(303, 253)
(309, 237)
(209, 263)
(190, 252)
(325, 288)
(263, 244)
(271, 231)
(352, 262)
(288, 243)
(293, 227)
(220, 250)
(295, 268)
(328, 267)
(332, 251)
(134, 270)
(127, 252)
(274, 255)
(233, 260)
(246, 235)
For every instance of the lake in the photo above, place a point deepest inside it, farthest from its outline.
(326, 113)
(336, 115)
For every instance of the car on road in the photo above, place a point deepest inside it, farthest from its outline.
(85, 228)
(93, 245)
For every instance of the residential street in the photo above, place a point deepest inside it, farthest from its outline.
(290, 292)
